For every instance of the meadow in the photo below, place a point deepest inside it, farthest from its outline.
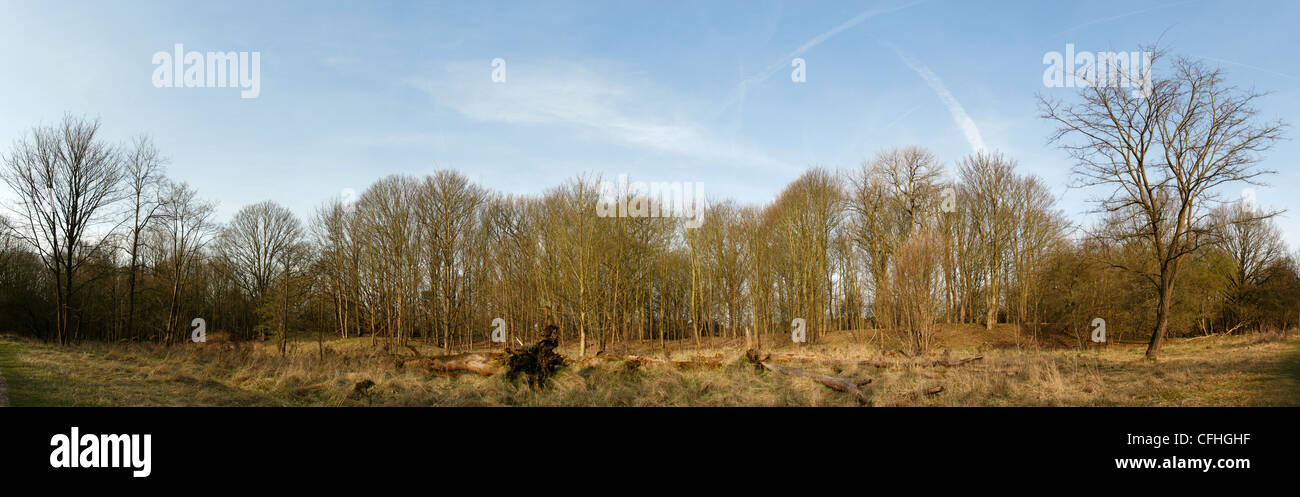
(1261, 369)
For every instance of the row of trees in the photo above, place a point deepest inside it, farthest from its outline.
(101, 245)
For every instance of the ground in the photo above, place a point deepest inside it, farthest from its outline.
(1250, 370)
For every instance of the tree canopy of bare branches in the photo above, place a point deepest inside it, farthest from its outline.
(65, 178)
(1164, 156)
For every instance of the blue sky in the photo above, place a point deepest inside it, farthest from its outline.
(663, 91)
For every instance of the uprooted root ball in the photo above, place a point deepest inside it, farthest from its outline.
(538, 361)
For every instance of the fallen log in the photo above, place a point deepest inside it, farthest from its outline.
(641, 359)
(481, 364)
(999, 371)
(1229, 332)
(870, 362)
(934, 390)
(699, 362)
(949, 364)
(838, 362)
(832, 382)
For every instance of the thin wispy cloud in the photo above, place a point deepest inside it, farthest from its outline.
(570, 96)
(959, 116)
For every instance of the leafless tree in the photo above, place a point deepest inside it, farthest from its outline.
(989, 180)
(330, 230)
(893, 195)
(1252, 242)
(65, 178)
(144, 173)
(449, 208)
(184, 226)
(256, 244)
(808, 213)
(1165, 154)
(917, 291)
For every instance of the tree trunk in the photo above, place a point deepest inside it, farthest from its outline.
(1162, 312)
(991, 318)
(582, 334)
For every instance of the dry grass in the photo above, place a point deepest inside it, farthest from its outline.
(1217, 371)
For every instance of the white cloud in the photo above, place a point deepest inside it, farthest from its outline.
(569, 95)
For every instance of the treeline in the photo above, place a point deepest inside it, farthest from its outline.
(115, 251)
(100, 245)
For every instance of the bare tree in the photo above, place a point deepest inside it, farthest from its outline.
(808, 213)
(386, 220)
(1253, 244)
(894, 194)
(144, 170)
(65, 177)
(330, 230)
(1036, 228)
(184, 226)
(727, 254)
(569, 246)
(1165, 153)
(988, 179)
(449, 207)
(917, 290)
(255, 245)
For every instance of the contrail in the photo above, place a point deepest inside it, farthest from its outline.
(904, 116)
(784, 63)
(1121, 16)
(959, 115)
(1257, 68)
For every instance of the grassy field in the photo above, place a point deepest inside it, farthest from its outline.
(1251, 370)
